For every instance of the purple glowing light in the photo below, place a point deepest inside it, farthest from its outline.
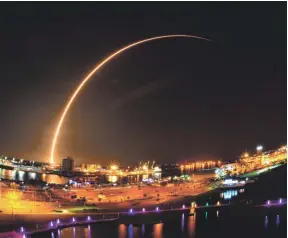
(58, 221)
(268, 202)
(183, 207)
(131, 210)
(73, 219)
(277, 220)
(22, 229)
(51, 224)
(88, 218)
(157, 208)
(280, 200)
(143, 210)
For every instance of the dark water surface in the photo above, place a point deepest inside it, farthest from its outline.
(204, 224)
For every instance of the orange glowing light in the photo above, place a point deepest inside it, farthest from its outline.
(113, 167)
(99, 66)
(13, 196)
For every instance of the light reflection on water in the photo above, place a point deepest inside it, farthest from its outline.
(74, 232)
(191, 225)
(25, 176)
(155, 231)
(122, 231)
(182, 222)
(18, 175)
(88, 231)
(130, 231)
(277, 220)
(228, 194)
(266, 221)
(158, 230)
(143, 229)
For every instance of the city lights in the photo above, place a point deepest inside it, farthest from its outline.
(259, 148)
(181, 120)
(113, 167)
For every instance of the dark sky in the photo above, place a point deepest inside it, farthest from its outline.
(168, 100)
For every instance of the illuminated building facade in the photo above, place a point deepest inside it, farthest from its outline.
(67, 164)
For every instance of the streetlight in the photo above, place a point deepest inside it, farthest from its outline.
(246, 155)
(113, 167)
(259, 148)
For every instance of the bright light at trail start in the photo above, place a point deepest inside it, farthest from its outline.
(100, 65)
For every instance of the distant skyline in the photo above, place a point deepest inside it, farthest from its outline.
(166, 101)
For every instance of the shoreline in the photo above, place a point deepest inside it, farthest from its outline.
(30, 220)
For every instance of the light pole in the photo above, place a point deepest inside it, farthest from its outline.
(259, 149)
(12, 211)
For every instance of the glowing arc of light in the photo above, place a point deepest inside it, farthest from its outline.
(100, 65)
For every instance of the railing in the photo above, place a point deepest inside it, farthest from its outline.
(113, 216)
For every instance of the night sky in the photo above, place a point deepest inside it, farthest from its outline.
(168, 100)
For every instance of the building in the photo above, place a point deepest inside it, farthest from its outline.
(67, 164)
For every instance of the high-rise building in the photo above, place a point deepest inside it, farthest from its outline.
(67, 164)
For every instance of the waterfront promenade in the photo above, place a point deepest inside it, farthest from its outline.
(143, 214)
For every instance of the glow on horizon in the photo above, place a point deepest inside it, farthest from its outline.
(98, 66)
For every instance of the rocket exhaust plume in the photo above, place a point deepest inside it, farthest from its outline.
(97, 67)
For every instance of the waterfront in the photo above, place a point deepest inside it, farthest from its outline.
(24, 176)
(211, 224)
(268, 222)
